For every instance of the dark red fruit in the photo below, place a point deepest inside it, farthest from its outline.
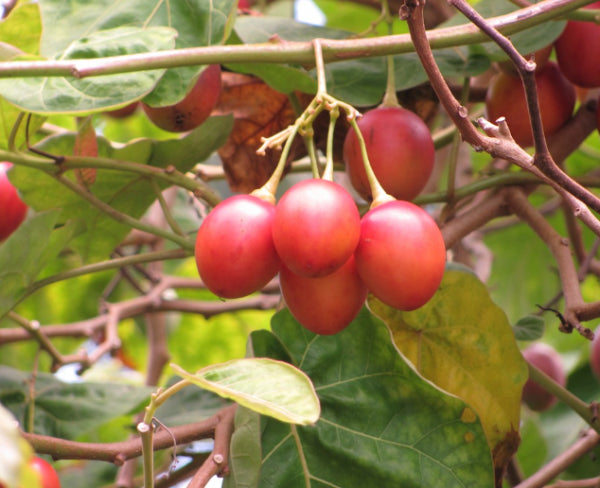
(506, 97)
(12, 208)
(401, 254)
(400, 150)
(121, 113)
(194, 109)
(324, 305)
(235, 254)
(577, 51)
(316, 227)
(47, 474)
(545, 358)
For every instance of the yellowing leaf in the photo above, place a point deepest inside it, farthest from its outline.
(462, 342)
(267, 386)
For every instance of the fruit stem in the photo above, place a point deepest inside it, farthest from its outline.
(334, 113)
(312, 153)
(320, 68)
(390, 99)
(268, 190)
(456, 142)
(379, 194)
(576, 404)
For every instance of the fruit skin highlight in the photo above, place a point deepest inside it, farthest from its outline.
(324, 305)
(506, 98)
(195, 107)
(234, 248)
(545, 358)
(401, 254)
(316, 227)
(13, 209)
(400, 150)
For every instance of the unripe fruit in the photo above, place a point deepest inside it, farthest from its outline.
(194, 109)
(12, 208)
(400, 150)
(401, 254)
(235, 254)
(577, 51)
(47, 474)
(506, 97)
(545, 358)
(324, 305)
(316, 227)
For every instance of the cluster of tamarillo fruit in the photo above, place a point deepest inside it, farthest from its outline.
(575, 71)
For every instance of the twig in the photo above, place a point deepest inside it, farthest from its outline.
(560, 463)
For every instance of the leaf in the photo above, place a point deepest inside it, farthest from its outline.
(23, 258)
(245, 452)
(462, 342)
(529, 328)
(80, 96)
(68, 410)
(269, 387)
(23, 28)
(128, 192)
(259, 111)
(189, 405)
(197, 22)
(381, 423)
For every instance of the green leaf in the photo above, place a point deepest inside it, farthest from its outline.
(269, 387)
(23, 258)
(381, 423)
(23, 28)
(529, 328)
(189, 405)
(245, 451)
(128, 192)
(462, 342)
(79, 96)
(68, 410)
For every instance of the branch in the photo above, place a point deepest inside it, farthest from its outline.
(118, 452)
(560, 463)
(279, 51)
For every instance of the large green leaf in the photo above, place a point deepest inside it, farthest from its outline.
(67, 410)
(381, 423)
(22, 257)
(269, 387)
(463, 342)
(130, 193)
(70, 95)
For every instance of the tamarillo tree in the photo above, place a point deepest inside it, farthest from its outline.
(145, 338)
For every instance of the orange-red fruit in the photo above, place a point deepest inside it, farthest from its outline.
(12, 208)
(506, 97)
(47, 474)
(194, 109)
(235, 254)
(324, 305)
(401, 254)
(121, 113)
(577, 51)
(316, 227)
(545, 358)
(400, 150)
